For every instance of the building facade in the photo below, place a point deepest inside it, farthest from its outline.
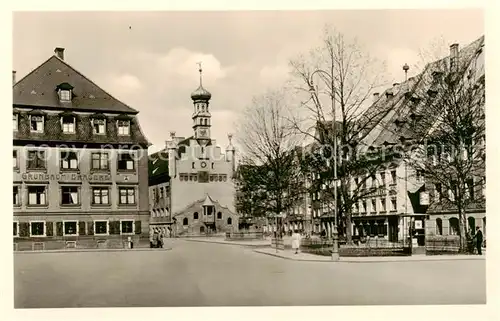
(200, 192)
(79, 162)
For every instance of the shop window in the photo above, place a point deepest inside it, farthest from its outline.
(70, 228)
(127, 227)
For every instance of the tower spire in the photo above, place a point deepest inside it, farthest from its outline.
(201, 71)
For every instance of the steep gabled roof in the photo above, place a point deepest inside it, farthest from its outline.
(38, 89)
(396, 122)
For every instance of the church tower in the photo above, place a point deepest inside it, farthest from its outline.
(201, 115)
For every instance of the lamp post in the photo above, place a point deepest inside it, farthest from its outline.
(335, 251)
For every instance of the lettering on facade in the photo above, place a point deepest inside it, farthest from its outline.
(65, 177)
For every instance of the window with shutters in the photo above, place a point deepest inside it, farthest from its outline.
(15, 160)
(68, 124)
(16, 201)
(16, 229)
(101, 227)
(37, 195)
(125, 162)
(70, 195)
(100, 195)
(99, 126)
(15, 122)
(37, 228)
(36, 124)
(127, 195)
(123, 127)
(70, 228)
(69, 160)
(36, 159)
(100, 161)
(126, 227)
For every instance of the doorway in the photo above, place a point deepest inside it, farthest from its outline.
(393, 229)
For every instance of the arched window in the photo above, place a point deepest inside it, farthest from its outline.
(202, 229)
(195, 215)
(453, 226)
(185, 221)
(439, 226)
(229, 221)
(219, 215)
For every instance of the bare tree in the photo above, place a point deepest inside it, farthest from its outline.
(270, 173)
(448, 107)
(348, 76)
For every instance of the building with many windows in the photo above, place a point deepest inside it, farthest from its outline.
(191, 181)
(79, 162)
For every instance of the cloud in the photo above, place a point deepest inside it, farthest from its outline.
(181, 63)
(122, 86)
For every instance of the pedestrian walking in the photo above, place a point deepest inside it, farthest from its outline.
(296, 241)
(479, 240)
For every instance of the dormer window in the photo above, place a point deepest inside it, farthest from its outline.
(68, 124)
(123, 127)
(99, 126)
(65, 92)
(65, 95)
(15, 122)
(36, 124)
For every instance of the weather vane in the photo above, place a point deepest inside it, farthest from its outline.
(200, 70)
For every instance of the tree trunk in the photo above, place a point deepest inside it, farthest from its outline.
(348, 228)
(462, 225)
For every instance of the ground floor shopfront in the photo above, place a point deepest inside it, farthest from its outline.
(395, 228)
(56, 230)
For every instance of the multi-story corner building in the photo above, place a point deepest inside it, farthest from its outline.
(404, 201)
(79, 162)
(200, 194)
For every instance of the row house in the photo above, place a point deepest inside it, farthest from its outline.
(414, 200)
(79, 162)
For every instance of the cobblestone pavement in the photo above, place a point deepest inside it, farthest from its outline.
(204, 274)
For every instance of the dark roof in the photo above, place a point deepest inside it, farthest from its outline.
(38, 89)
(396, 116)
(158, 168)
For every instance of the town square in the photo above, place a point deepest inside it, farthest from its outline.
(246, 158)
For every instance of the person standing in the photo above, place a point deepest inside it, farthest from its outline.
(479, 240)
(296, 241)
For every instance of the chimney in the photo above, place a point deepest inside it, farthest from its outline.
(59, 53)
(375, 96)
(13, 77)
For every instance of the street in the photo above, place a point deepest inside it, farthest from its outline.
(203, 274)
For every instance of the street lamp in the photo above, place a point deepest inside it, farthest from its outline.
(312, 90)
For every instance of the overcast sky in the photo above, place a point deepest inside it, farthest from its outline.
(152, 65)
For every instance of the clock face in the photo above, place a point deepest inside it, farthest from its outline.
(203, 132)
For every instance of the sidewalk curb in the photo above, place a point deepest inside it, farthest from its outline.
(374, 261)
(228, 243)
(90, 250)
